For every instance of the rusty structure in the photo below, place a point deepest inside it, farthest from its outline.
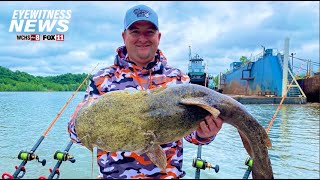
(311, 87)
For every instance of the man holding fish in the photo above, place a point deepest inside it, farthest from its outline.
(142, 66)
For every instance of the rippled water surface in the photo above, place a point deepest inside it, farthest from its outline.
(24, 117)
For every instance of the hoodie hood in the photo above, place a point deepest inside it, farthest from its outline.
(122, 60)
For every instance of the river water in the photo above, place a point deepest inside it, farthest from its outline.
(24, 117)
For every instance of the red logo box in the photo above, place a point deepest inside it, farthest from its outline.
(34, 37)
(59, 37)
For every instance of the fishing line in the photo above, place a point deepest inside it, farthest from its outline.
(284, 96)
(63, 108)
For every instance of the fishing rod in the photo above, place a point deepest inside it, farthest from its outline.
(249, 160)
(29, 156)
(196, 162)
(60, 156)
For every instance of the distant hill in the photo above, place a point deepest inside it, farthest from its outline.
(21, 81)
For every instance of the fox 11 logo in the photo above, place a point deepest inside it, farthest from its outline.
(39, 25)
(53, 37)
(38, 37)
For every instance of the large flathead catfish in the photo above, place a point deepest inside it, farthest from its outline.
(140, 121)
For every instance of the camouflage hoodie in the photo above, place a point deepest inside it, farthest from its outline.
(122, 75)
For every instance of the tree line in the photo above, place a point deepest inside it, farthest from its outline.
(22, 81)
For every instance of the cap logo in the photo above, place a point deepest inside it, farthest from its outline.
(141, 12)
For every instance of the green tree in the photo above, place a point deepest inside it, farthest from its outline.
(22, 81)
(216, 80)
(244, 59)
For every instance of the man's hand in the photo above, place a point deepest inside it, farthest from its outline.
(209, 127)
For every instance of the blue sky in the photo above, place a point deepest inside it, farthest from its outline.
(220, 32)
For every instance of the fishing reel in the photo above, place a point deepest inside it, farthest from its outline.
(249, 163)
(29, 156)
(60, 156)
(203, 164)
(63, 156)
(25, 156)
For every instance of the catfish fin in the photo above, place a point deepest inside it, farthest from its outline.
(267, 141)
(265, 136)
(246, 144)
(201, 103)
(157, 156)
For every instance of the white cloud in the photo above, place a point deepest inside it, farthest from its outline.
(311, 47)
(220, 32)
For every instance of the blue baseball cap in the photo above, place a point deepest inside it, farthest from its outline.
(138, 13)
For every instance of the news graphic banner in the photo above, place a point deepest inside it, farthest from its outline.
(40, 25)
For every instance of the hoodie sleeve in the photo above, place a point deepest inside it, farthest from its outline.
(91, 94)
(195, 139)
